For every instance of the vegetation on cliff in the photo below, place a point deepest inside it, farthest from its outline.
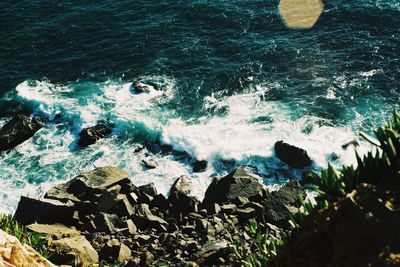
(354, 221)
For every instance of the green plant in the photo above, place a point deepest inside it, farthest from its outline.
(35, 240)
(265, 246)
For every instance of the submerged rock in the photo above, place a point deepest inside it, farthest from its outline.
(17, 131)
(91, 135)
(293, 156)
(240, 183)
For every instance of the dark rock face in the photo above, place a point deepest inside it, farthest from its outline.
(17, 131)
(240, 183)
(139, 87)
(281, 205)
(32, 210)
(293, 156)
(91, 135)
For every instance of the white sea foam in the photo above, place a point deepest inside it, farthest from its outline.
(245, 134)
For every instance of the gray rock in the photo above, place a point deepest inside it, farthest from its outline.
(122, 207)
(146, 259)
(18, 130)
(240, 183)
(213, 250)
(106, 222)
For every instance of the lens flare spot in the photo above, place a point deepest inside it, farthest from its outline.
(300, 14)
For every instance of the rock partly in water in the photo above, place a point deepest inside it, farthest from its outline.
(17, 131)
(240, 183)
(139, 87)
(199, 166)
(293, 156)
(91, 135)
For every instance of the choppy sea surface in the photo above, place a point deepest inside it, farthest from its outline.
(228, 78)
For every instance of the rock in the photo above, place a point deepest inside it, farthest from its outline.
(310, 177)
(130, 226)
(179, 199)
(106, 222)
(123, 207)
(149, 164)
(139, 87)
(73, 250)
(149, 189)
(13, 253)
(55, 230)
(107, 198)
(18, 130)
(91, 135)
(281, 205)
(293, 156)
(199, 166)
(353, 143)
(150, 221)
(241, 182)
(146, 259)
(114, 250)
(213, 209)
(147, 193)
(213, 250)
(229, 208)
(87, 185)
(50, 211)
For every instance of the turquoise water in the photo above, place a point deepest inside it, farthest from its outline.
(229, 79)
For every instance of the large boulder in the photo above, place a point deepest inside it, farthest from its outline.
(17, 131)
(74, 250)
(179, 197)
(280, 206)
(240, 183)
(293, 156)
(87, 185)
(91, 135)
(32, 210)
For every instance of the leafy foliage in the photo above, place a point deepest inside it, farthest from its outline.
(35, 240)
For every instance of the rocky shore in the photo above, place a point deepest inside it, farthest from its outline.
(102, 217)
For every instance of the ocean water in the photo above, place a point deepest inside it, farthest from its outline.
(228, 79)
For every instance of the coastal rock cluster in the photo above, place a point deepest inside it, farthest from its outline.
(101, 216)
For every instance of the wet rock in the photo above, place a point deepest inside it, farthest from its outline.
(294, 156)
(199, 166)
(149, 164)
(91, 135)
(18, 130)
(241, 182)
(49, 211)
(139, 87)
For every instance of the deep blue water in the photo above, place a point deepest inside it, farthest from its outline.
(229, 80)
